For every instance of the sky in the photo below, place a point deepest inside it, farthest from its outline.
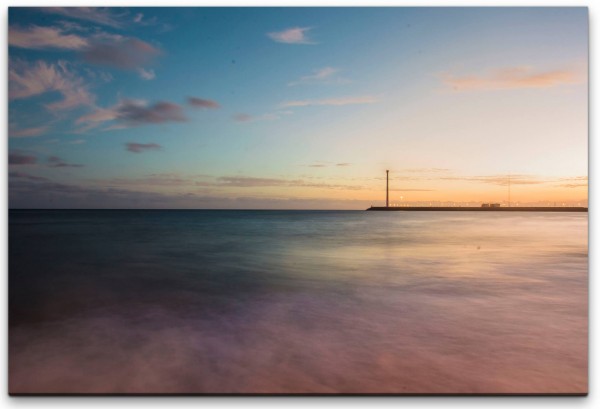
(296, 108)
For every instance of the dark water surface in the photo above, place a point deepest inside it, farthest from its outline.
(297, 301)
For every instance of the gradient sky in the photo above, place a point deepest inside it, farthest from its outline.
(296, 107)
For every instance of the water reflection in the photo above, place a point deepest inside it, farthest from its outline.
(295, 302)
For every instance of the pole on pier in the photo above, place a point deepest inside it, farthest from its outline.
(509, 190)
(387, 188)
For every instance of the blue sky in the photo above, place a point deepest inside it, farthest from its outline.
(295, 107)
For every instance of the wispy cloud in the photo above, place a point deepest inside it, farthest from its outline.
(412, 190)
(573, 182)
(203, 103)
(56, 162)
(26, 132)
(15, 158)
(96, 118)
(35, 37)
(324, 165)
(27, 176)
(172, 179)
(294, 35)
(141, 147)
(244, 181)
(155, 179)
(98, 15)
(426, 170)
(500, 180)
(573, 185)
(359, 100)
(146, 74)
(512, 78)
(103, 76)
(67, 25)
(131, 113)
(320, 76)
(26, 80)
(574, 179)
(243, 117)
(142, 20)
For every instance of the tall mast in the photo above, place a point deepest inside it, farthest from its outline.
(387, 188)
(509, 190)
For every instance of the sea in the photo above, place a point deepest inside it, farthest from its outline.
(297, 302)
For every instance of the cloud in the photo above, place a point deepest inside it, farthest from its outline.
(323, 75)
(243, 181)
(155, 179)
(39, 38)
(134, 113)
(426, 170)
(131, 113)
(574, 182)
(146, 74)
(295, 35)
(26, 176)
(141, 147)
(343, 164)
(73, 97)
(512, 78)
(27, 132)
(96, 118)
(500, 180)
(575, 179)
(123, 53)
(573, 185)
(101, 48)
(331, 101)
(56, 162)
(98, 75)
(317, 165)
(26, 80)
(203, 103)
(66, 25)
(242, 117)
(47, 194)
(98, 15)
(141, 20)
(25, 193)
(15, 158)
(412, 190)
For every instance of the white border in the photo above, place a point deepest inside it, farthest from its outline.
(314, 402)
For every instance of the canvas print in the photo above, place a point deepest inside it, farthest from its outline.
(289, 200)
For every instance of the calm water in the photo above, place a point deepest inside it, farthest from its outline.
(297, 301)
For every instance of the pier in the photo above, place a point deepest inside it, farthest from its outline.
(485, 207)
(478, 209)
